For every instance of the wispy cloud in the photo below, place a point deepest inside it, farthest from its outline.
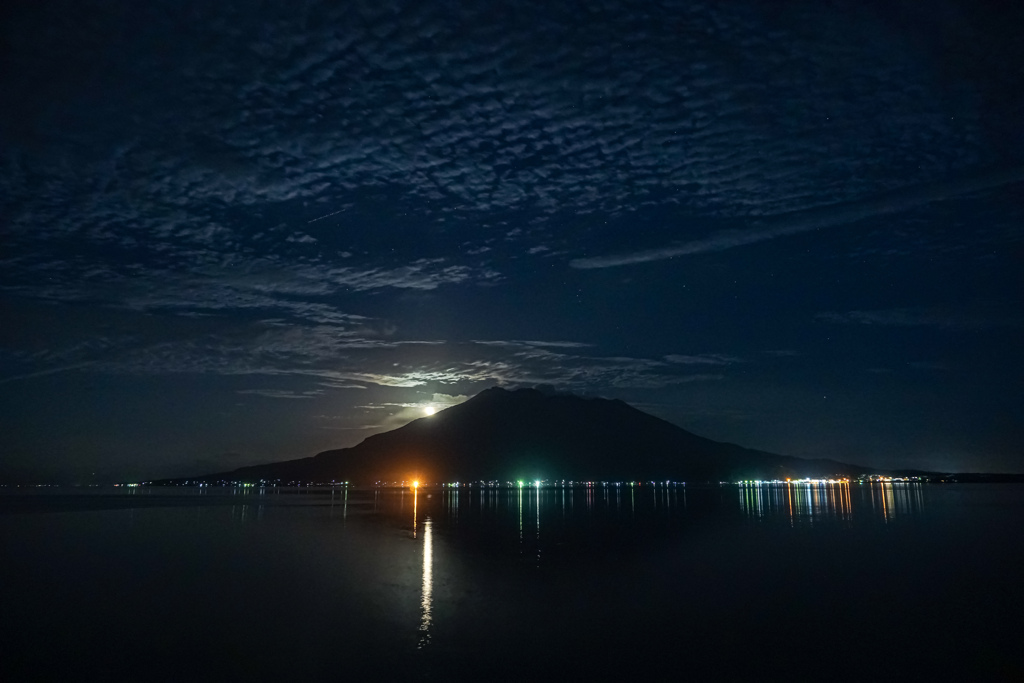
(318, 361)
(45, 372)
(280, 393)
(520, 343)
(703, 359)
(813, 219)
(984, 317)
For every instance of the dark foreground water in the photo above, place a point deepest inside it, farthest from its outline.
(858, 582)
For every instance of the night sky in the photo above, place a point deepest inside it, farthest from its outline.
(237, 232)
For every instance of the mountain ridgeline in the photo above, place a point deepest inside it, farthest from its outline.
(528, 434)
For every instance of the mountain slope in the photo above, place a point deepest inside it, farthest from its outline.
(527, 434)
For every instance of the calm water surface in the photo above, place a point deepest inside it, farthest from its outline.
(856, 582)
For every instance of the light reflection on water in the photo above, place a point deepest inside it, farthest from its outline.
(818, 501)
(555, 506)
(798, 502)
(427, 590)
(349, 583)
(518, 513)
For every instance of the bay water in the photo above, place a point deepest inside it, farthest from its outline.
(873, 581)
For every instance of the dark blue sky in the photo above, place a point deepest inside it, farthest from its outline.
(239, 232)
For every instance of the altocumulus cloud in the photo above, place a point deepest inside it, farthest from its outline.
(317, 111)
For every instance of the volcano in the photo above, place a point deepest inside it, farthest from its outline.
(529, 434)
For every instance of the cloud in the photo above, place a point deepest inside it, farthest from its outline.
(981, 318)
(45, 372)
(280, 393)
(517, 343)
(349, 352)
(533, 364)
(703, 359)
(322, 360)
(813, 219)
(258, 208)
(447, 400)
(292, 120)
(264, 286)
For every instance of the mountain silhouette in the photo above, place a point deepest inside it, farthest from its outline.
(530, 434)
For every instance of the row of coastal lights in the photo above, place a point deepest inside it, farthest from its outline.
(842, 480)
(401, 484)
(761, 482)
(538, 483)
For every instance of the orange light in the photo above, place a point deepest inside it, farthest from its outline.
(415, 484)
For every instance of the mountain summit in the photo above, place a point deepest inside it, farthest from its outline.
(529, 434)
